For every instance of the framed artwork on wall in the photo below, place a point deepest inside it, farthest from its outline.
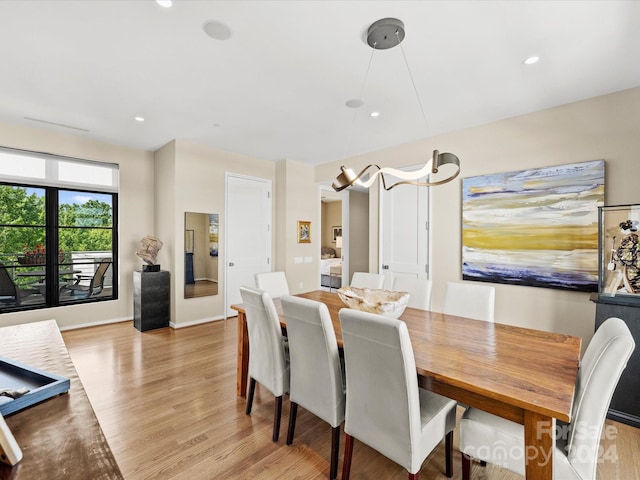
(335, 233)
(304, 232)
(536, 227)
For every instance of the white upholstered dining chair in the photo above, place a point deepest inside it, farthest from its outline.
(470, 300)
(268, 351)
(367, 280)
(385, 408)
(317, 382)
(487, 437)
(275, 283)
(419, 291)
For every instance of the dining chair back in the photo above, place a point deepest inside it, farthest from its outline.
(419, 291)
(317, 381)
(275, 283)
(470, 301)
(367, 280)
(96, 281)
(487, 437)
(385, 408)
(9, 292)
(268, 354)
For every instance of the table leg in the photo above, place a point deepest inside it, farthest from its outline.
(539, 444)
(243, 355)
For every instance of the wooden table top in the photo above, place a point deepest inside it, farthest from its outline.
(60, 438)
(516, 367)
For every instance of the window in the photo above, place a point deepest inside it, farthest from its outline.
(58, 242)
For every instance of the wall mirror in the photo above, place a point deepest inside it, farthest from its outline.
(200, 254)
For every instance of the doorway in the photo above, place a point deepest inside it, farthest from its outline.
(404, 232)
(247, 234)
(332, 251)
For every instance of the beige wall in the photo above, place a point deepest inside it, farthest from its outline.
(298, 200)
(135, 216)
(189, 177)
(192, 179)
(164, 205)
(599, 128)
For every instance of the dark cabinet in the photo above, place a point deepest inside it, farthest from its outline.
(150, 300)
(625, 405)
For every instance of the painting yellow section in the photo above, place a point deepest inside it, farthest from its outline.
(525, 237)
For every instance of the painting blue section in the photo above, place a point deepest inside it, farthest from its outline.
(532, 277)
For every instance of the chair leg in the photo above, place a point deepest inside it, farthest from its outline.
(292, 422)
(335, 446)
(276, 418)
(448, 447)
(252, 389)
(466, 467)
(348, 452)
(414, 476)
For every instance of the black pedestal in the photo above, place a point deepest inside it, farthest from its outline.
(150, 300)
(625, 404)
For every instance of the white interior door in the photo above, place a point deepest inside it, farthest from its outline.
(404, 227)
(248, 233)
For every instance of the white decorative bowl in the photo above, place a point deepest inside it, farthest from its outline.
(382, 302)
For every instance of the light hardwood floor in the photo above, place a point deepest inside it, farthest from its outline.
(167, 404)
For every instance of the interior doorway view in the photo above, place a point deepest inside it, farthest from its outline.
(346, 213)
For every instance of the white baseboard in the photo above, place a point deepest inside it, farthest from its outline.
(95, 324)
(116, 320)
(195, 322)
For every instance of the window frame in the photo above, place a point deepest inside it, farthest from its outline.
(52, 229)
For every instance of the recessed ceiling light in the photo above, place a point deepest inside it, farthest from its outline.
(139, 119)
(374, 114)
(531, 60)
(165, 3)
(354, 103)
(216, 30)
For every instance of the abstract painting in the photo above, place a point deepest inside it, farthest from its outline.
(536, 227)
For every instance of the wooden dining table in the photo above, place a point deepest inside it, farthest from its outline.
(524, 375)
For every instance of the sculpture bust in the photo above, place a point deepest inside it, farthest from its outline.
(149, 248)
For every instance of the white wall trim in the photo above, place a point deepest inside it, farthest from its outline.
(95, 324)
(195, 322)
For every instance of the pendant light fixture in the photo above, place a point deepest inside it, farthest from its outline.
(383, 34)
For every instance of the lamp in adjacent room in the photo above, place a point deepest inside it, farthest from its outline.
(383, 34)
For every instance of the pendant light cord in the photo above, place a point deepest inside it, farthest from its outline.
(415, 89)
(355, 109)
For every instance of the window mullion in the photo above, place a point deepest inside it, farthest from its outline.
(52, 281)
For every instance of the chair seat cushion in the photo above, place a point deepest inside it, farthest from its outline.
(437, 418)
(500, 442)
(431, 405)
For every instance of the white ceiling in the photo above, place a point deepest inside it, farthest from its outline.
(277, 88)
